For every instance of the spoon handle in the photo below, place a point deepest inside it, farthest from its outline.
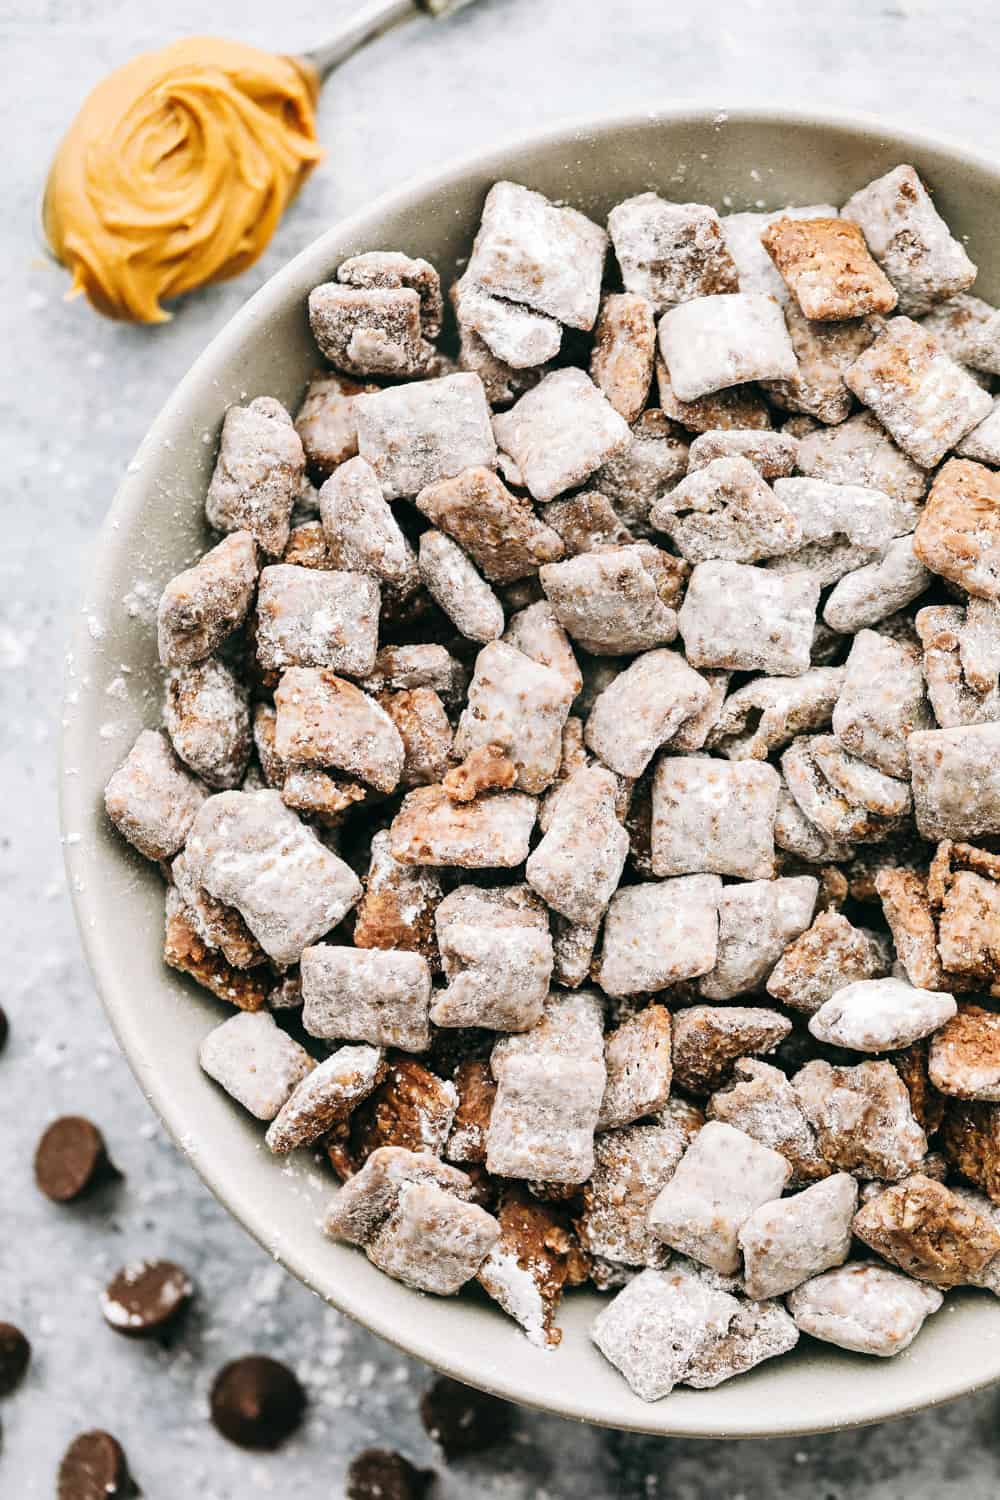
(372, 20)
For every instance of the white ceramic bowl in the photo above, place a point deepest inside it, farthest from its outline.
(156, 526)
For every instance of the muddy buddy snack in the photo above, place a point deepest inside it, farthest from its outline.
(578, 778)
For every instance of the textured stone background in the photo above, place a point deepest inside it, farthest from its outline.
(77, 395)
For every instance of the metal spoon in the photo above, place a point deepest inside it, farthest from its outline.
(370, 21)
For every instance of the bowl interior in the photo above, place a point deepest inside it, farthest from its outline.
(156, 526)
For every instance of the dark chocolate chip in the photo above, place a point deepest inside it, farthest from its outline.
(15, 1351)
(71, 1158)
(377, 1474)
(94, 1468)
(462, 1420)
(141, 1299)
(4, 1028)
(257, 1402)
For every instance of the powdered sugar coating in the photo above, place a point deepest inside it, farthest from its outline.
(152, 799)
(862, 1118)
(867, 595)
(726, 510)
(787, 1242)
(631, 1165)
(642, 709)
(655, 456)
(766, 714)
(716, 341)
(880, 1015)
(362, 534)
(322, 720)
(326, 422)
(250, 851)
(491, 832)
(621, 362)
(417, 433)
(520, 705)
(560, 432)
(670, 252)
(760, 1101)
(748, 619)
(206, 715)
(497, 955)
(709, 1039)
(821, 960)
(759, 1331)
(956, 781)
(201, 606)
(823, 351)
(255, 1062)
(325, 1097)
(866, 516)
(455, 585)
(757, 920)
(863, 1306)
(909, 239)
(610, 601)
(317, 618)
(550, 1082)
(742, 233)
(881, 702)
(860, 451)
(498, 530)
(773, 454)
(257, 475)
(578, 863)
(655, 1328)
(659, 932)
(638, 1059)
(515, 335)
(366, 995)
(714, 816)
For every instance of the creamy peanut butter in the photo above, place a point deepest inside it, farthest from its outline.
(177, 170)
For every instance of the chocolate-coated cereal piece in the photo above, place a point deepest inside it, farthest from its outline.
(498, 530)
(881, 702)
(955, 700)
(742, 233)
(611, 602)
(621, 363)
(716, 341)
(659, 932)
(909, 239)
(256, 1402)
(185, 949)
(410, 1108)
(258, 474)
(366, 995)
(325, 1097)
(786, 1242)
(207, 718)
(308, 617)
(863, 1306)
(491, 832)
(760, 1101)
(497, 955)
(827, 266)
(726, 510)
(458, 589)
(71, 1159)
(631, 1165)
(520, 705)
(922, 1227)
(637, 1055)
(821, 960)
(824, 351)
(968, 329)
(654, 458)
(708, 1039)
(362, 534)
(766, 714)
(958, 535)
(868, 594)
(326, 422)
(536, 1256)
(956, 781)
(757, 919)
(256, 1062)
(862, 1118)
(714, 817)
(656, 1327)
(578, 863)
(748, 619)
(560, 432)
(670, 252)
(322, 721)
(416, 433)
(152, 799)
(200, 607)
(964, 1056)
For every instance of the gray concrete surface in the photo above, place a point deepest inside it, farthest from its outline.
(77, 394)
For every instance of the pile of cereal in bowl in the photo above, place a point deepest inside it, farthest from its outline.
(587, 742)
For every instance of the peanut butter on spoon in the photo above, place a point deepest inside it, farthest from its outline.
(180, 164)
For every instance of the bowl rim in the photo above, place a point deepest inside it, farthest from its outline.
(417, 1342)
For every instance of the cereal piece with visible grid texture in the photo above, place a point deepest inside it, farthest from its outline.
(497, 955)
(922, 1227)
(642, 709)
(712, 816)
(578, 863)
(325, 1097)
(206, 716)
(828, 955)
(881, 702)
(924, 399)
(773, 454)
(942, 630)
(959, 532)
(498, 530)
(658, 933)
(970, 1139)
(308, 617)
(721, 1178)
(411, 1214)
(956, 781)
(757, 271)
(749, 619)
(200, 607)
(637, 1055)
(257, 475)
(536, 1256)
(826, 265)
(326, 422)
(455, 585)
(489, 833)
(880, 1015)
(252, 852)
(658, 1325)
(910, 240)
(398, 906)
(864, 1307)
(610, 602)
(765, 715)
(410, 1107)
(560, 432)
(717, 341)
(760, 1101)
(324, 721)
(862, 1117)
(528, 250)
(550, 1082)
(670, 252)
(757, 920)
(185, 949)
(860, 451)
(823, 351)
(520, 705)
(518, 337)
(362, 534)
(739, 406)
(255, 1062)
(964, 1056)
(832, 789)
(621, 362)
(152, 799)
(786, 1242)
(726, 510)
(417, 433)
(366, 995)
(708, 1040)
(967, 329)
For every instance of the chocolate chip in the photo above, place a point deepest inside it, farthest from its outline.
(15, 1351)
(257, 1402)
(141, 1299)
(94, 1468)
(462, 1420)
(377, 1474)
(4, 1028)
(71, 1158)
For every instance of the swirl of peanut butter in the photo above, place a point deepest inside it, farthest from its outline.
(176, 172)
